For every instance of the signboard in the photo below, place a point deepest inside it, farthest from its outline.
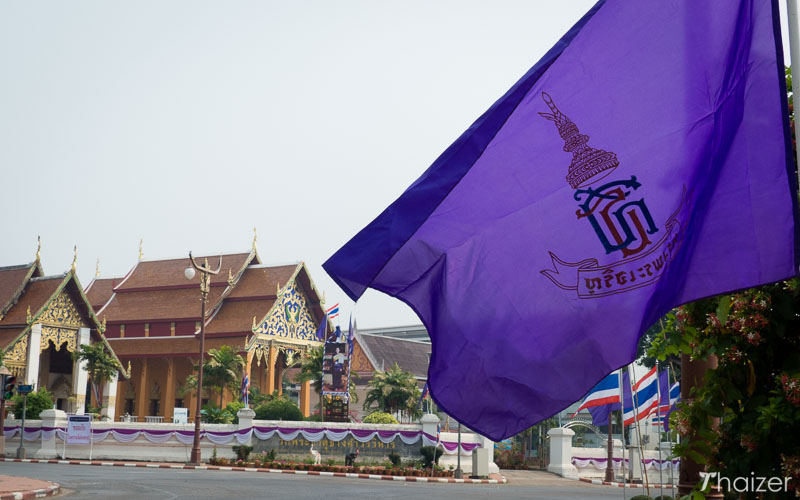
(336, 365)
(24, 389)
(180, 415)
(79, 429)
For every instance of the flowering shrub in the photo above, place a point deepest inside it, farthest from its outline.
(744, 419)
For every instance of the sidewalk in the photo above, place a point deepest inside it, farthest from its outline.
(13, 487)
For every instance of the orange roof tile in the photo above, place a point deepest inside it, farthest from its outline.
(169, 273)
(171, 345)
(7, 335)
(261, 281)
(237, 315)
(99, 291)
(171, 304)
(11, 279)
(35, 295)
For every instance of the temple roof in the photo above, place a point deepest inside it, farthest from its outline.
(155, 346)
(158, 305)
(100, 290)
(169, 273)
(411, 355)
(36, 296)
(13, 280)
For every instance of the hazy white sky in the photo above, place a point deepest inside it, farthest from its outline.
(187, 123)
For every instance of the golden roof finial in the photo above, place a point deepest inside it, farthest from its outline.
(230, 277)
(254, 323)
(277, 289)
(38, 249)
(28, 318)
(255, 237)
(103, 324)
(97, 268)
(129, 367)
(75, 258)
(141, 253)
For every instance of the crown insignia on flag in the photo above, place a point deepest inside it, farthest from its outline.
(586, 162)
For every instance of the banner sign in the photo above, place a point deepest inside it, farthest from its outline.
(79, 429)
(336, 365)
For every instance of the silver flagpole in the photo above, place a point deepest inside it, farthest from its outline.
(669, 439)
(622, 434)
(794, 48)
(661, 423)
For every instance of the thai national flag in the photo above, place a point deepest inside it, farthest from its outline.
(645, 398)
(245, 388)
(604, 393)
(333, 311)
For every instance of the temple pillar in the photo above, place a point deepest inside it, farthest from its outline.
(32, 367)
(273, 354)
(140, 407)
(110, 397)
(279, 373)
(305, 398)
(169, 391)
(80, 375)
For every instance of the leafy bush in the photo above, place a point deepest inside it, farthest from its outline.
(428, 455)
(242, 451)
(509, 459)
(641, 497)
(233, 409)
(379, 417)
(213, 415)
(314, 417)
(37, 402)
(394, 457)
(279, 409)
(663, 497)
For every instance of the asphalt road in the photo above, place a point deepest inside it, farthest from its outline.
(88, 482)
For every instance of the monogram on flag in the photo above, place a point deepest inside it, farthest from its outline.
(643, 163)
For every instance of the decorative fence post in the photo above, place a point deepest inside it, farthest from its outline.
(561, 452)
(246, 416)
(51, 420)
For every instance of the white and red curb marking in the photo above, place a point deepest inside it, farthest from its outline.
(351, 475)
(51, 490)
(622, 485)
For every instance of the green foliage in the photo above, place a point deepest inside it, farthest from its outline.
(428, 455)
(393, 391)
(743, 420)
(663, 497)
(641, 497)
(221, 370)
(242, 451)
(100, 364)
(233, 409)
(379, 417)
(394, 457)
(279, 409)
(214, 415)
(37, 402)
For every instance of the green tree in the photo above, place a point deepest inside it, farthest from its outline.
(37, 402)
(221, 370)
(279, 409)
(393, 391)
(100, 366)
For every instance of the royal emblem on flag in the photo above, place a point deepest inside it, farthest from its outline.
(617, 212)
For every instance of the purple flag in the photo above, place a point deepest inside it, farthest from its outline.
(644, 162)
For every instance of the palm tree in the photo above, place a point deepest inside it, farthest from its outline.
(221, 370)
(393, 391)
(100, 366)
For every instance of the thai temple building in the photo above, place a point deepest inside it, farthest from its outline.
(268, 314)
(43, 320)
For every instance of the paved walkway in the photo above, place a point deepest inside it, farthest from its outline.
(13, 487)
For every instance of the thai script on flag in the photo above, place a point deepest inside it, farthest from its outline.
(333, 312)
(644, 162)
(604, 393)
(644, 398)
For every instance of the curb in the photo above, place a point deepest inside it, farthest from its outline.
(350, 475)
(51, 490)
(622, 485)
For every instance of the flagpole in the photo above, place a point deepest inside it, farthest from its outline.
(635, 399)
(661, 423)
(794, 52)
(669, 439)
(622, 433)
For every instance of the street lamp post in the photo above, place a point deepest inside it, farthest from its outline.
(205, 284)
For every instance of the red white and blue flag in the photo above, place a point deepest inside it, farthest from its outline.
(333, 311)
(604, 393)
(645, 398)
(245, 389)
